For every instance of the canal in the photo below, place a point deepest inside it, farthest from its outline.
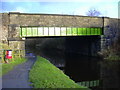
(86, 70)
(78, 68)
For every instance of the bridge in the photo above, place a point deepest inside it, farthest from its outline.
(18, 26)
(83, 35)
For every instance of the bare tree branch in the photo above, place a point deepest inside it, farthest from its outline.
(93, 12)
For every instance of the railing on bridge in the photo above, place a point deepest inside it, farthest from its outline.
(15, 53)
(58, 31)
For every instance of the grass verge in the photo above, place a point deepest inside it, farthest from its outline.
(45, 75)
(6, 67)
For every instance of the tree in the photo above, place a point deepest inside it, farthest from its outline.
(93, 12)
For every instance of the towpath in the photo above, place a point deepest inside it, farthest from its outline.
(19, 76)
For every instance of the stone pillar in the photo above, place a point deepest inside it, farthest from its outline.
(105, 33)
(14, 39)
(0, 28)
(14, 31)
(18, 45)
(4, 17)
(103, 40)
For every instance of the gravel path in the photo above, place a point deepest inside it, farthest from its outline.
(18, 77)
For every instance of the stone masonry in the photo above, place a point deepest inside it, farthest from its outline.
(11, 23)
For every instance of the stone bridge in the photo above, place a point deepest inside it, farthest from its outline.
(15, 27)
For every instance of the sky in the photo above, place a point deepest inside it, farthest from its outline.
(108, 8)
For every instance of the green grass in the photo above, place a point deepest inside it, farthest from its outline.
(6, 67)
(45, 75)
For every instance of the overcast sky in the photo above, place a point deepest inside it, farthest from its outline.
(108, 8)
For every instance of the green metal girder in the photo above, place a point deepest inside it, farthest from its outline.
(58, 31)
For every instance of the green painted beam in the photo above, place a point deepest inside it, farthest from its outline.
(58, 31)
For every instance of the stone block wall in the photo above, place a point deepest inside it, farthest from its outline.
(11, 23)
(0, 28)
(4, 27)
(22, 19)
(54, 20)
(17, 44)
(111, 32)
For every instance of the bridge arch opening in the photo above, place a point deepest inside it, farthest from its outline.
(75, 55)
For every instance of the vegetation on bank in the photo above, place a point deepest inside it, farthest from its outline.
(45, 75)
(110, 55)
(114, 57)
(6, 67)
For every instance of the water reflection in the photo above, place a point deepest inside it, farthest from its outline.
(110, 74)
(55, 57)
(84, 69)
(77, 67)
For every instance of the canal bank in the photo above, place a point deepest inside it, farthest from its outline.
(45, 75)
(93, 72)
(76, 60)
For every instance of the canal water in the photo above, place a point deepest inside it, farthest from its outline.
(78, 68)
(101, 74)
(93, 72)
